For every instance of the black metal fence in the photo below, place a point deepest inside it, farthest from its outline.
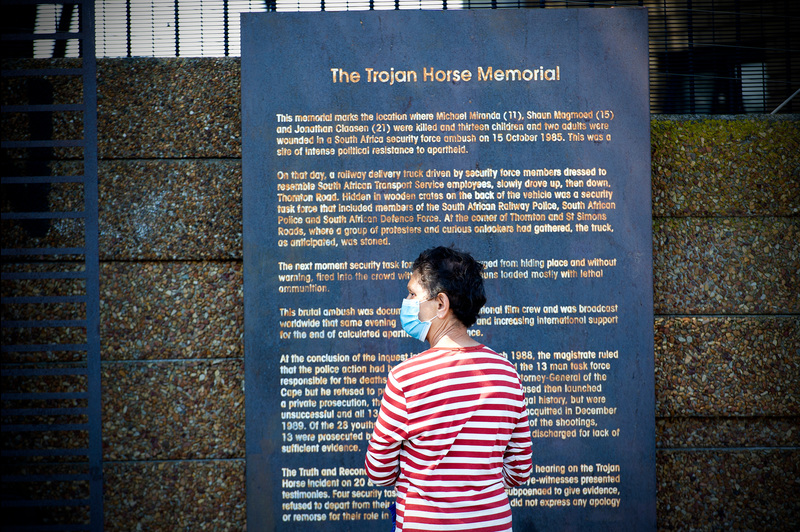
(51, 454)
(706, 56)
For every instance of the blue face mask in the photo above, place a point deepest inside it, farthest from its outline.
(409, 319)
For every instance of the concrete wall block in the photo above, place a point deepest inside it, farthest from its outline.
(726, 265)
(173, 410)
(730, 432)
(168, 108)
(167, 210)
(728, 490)
(736, 166)
(168, 310)
(189, 495)
(727, 366)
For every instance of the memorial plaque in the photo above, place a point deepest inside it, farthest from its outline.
(521, 136)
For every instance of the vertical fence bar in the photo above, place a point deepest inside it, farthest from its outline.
(177, 22)
(128, 27)
(225, 26)
(92, 264)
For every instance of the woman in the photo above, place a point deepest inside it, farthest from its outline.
(453, 431)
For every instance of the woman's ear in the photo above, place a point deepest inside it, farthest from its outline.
(442, 304)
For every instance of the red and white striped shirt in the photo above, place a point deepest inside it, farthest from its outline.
(452, 434)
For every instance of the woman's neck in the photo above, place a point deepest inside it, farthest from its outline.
(451, 334)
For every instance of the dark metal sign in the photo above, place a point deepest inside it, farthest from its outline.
(520, 136)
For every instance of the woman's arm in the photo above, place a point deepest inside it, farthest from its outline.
(518, 457)
(383, 452)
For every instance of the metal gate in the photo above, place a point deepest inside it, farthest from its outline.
(51, 412)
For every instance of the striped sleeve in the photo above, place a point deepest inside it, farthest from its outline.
(518, 457)
(391, 428)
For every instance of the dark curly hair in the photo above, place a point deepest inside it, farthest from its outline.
(458, 275)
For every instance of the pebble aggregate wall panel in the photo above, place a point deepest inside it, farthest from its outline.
(171, 310)
(728, 490)
(736, 166)
(727, 366)
(726, 265)
(162, 210)
(168, 108)
(694, 433)
(173, 410)
(186, 495)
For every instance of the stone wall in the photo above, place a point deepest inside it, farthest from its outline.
(726, 200)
